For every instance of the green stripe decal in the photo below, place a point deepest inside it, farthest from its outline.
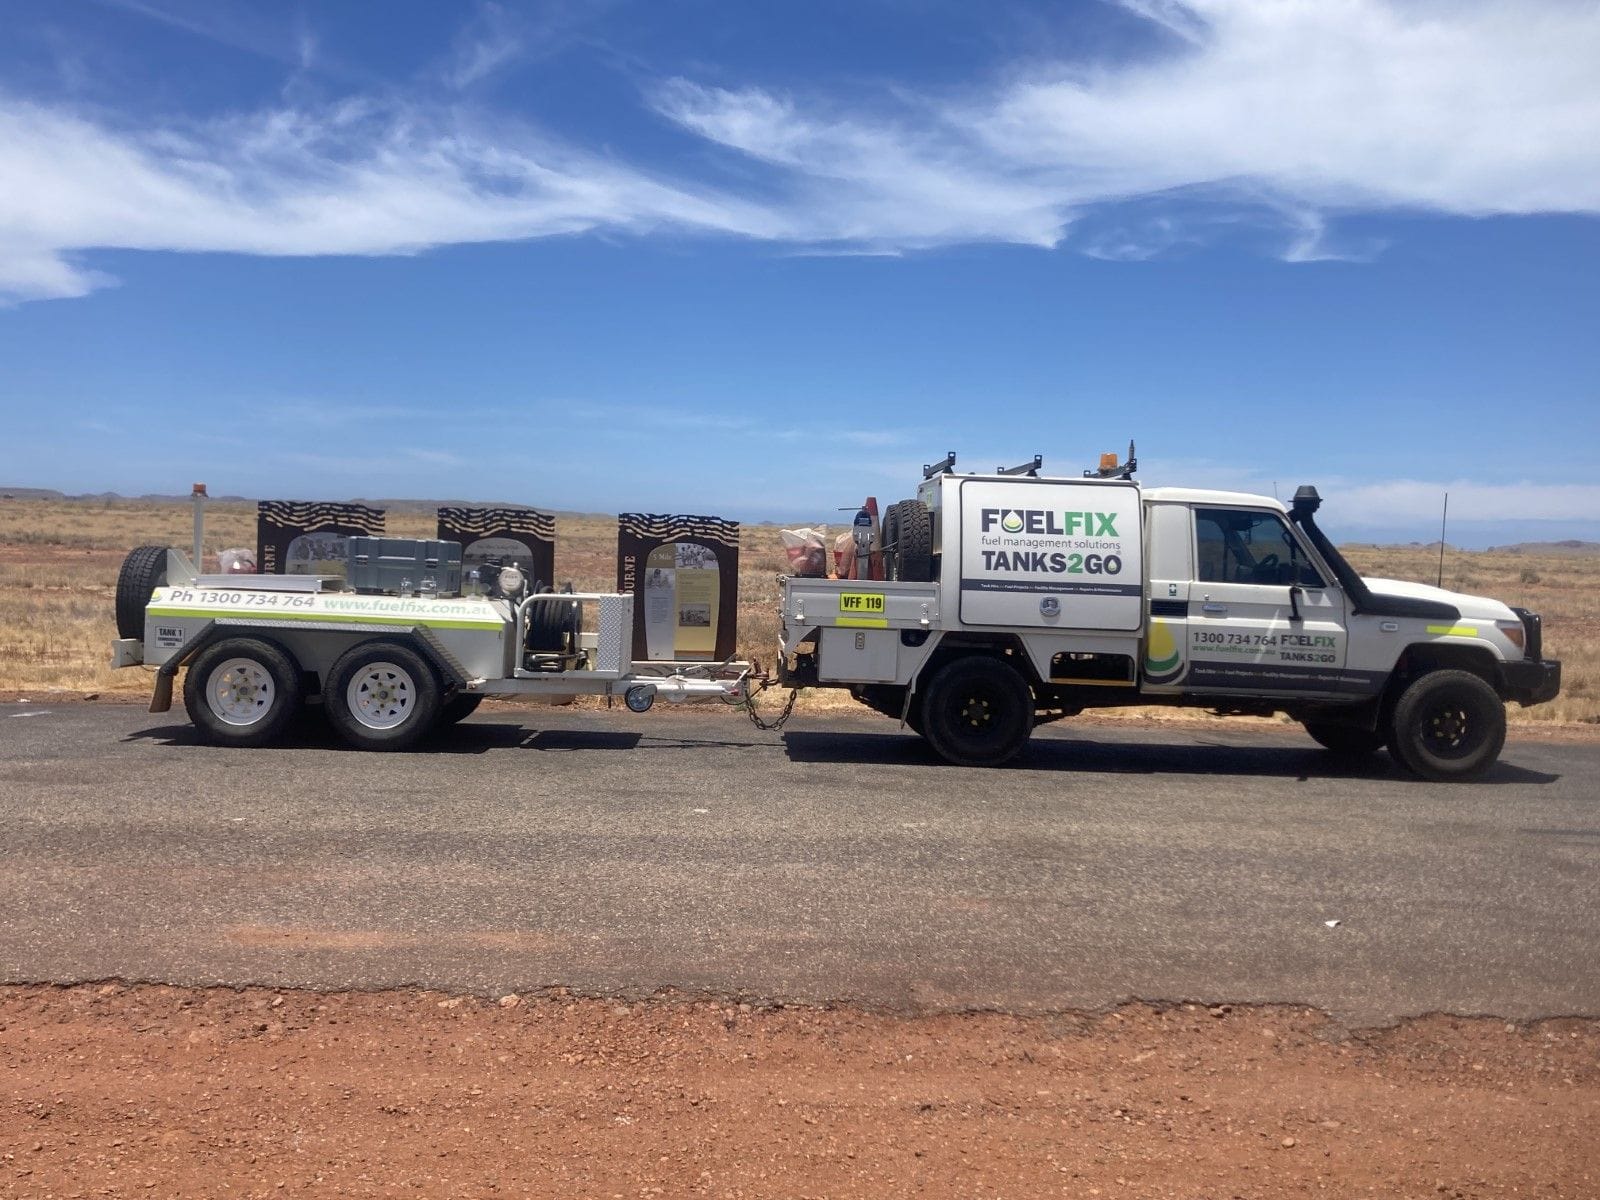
(1454, 630)
(325, 617)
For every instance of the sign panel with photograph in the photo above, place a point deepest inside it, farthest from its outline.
(299, 537)
(524, 536)
(685, 569)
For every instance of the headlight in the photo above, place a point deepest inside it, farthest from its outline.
(1513, 632)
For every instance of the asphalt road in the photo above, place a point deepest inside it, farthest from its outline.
(619, 854)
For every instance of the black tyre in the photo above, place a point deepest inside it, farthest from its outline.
(977, 712)
(459, 707)
(912, 561)
(241, 692)
(1448, 725)
(382, 696)
(1347, 741)
(143, 571)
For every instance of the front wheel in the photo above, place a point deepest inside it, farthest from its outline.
(241, 692)
(977, 712)
(382, 696)
(1347, 741)
(1448, 725)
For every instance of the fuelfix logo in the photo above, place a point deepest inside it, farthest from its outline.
(1049, 521)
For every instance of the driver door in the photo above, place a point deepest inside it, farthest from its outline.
(1261, 619)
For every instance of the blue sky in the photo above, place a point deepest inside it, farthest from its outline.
(759, 260)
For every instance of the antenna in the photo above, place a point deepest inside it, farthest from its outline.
(1443, 517)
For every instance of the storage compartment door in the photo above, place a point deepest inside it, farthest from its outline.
(859, 655)
(1046, 554)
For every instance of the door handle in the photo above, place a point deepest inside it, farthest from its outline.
(1213, 608)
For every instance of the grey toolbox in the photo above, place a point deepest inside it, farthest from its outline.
(392, 565)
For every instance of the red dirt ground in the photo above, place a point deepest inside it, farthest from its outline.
(156, 1091)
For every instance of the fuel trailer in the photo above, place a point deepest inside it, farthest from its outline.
(388, 661)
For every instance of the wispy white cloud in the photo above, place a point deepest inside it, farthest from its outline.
(1464, 107)
(359, 177)
(487, 44)
(226, 23)
(1272, 116)
(1283, 110)
(907, 180)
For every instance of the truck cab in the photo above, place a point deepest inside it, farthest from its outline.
(1015, 599)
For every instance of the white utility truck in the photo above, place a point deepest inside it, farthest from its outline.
(1013, 598)
(389, 663)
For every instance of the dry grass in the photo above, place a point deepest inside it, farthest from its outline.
(59, 562)
(1563, 588)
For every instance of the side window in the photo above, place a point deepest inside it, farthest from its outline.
(1245, 545)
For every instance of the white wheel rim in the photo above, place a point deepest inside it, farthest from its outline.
(381, 695)
(240, 691)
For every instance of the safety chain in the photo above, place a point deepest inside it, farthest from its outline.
(784, 714)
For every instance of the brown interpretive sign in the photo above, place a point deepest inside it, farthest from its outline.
(524, 536)
(301, 537)
(683, 572)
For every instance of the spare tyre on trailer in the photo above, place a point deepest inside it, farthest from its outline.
(143, 571)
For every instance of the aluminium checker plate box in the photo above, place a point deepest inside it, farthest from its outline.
(390, 565)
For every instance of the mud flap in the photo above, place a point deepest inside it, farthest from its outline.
(161, 698)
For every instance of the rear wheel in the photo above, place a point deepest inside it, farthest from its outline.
(143, 571)
(1448, 725)
(1347, 741)
(382, 696)
(977, 712)
(241, 692)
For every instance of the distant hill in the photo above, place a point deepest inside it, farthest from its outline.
(399, 506)
(1570, 546)
(28, 493)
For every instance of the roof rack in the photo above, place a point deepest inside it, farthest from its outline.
(1030, 468)
(944, 466)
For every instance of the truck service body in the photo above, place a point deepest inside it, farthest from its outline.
(1040, 597)
(1008, 599)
